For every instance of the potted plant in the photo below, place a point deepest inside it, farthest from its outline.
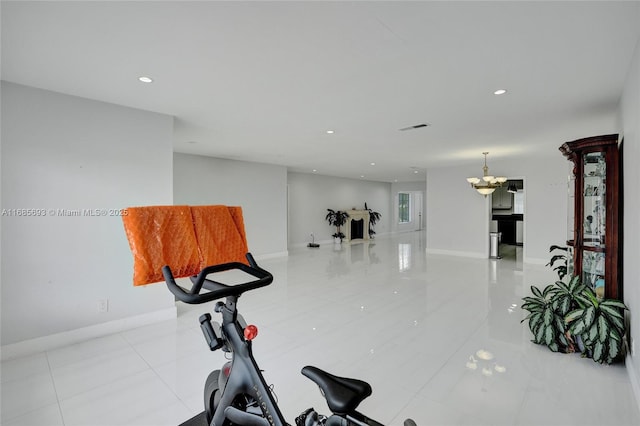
(568, 317)
(600, 326)
(374, 217)
(337, 218)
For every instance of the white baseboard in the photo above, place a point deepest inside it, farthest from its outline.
(633, 378)
(476, 255)
(272, 255)
(46, 343)
(535, 261)
(457, 253)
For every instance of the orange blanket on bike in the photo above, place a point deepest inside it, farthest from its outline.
(183, 237)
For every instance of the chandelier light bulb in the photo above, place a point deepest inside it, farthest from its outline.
(488, 184)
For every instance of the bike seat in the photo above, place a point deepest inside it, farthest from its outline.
(343, 395)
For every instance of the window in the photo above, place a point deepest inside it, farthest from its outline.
(404, 207)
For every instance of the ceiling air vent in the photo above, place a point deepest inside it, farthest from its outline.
(417, 126)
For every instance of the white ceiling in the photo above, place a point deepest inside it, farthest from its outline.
(264, 81)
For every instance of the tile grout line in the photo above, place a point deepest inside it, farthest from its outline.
(55, 388)
(155, 372)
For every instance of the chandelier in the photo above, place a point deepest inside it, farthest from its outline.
(488, 183)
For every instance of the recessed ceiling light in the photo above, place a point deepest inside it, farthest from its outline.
(415, 171)
(373, 164)
(314, 170)
(145, 79)
(500, 92)
(330, 132)
(361, 176)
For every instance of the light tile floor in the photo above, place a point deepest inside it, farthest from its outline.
(417, 327)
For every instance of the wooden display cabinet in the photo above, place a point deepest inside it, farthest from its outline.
(594, 213)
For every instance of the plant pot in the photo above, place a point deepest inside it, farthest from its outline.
(337, 240)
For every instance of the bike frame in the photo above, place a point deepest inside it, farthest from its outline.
(244, 378)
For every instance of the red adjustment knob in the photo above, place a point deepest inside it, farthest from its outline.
(250, 332)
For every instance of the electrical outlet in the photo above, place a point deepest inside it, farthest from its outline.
(103, 306)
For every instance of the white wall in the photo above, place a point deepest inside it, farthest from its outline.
(64, 152)
(260, 189)
(458, 217)
(311, 195)
(630, 114)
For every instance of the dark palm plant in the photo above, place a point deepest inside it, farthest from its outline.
(374, 217)
(337, 218)
(560, 269)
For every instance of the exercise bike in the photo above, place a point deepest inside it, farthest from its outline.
(237, 394)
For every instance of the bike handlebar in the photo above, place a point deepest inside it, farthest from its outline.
(217, 290)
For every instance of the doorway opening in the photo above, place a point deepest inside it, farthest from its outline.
(508, 218)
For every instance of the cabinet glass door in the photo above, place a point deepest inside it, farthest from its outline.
(594, 221)
(593, 271)
(594, 206)
(571, 207)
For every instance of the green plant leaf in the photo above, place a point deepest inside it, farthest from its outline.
(537, 300)
(615, 335)
(598, 351)
(617, 324)
(562, 287)
(614, 304)
(589, 316)
(591, 296)
(547, 316)
(583, 300)
(603, 329)
(539, 333)
(548, 291)
(536, 292)
(575, 281)
(559, 324)
(615, 347)
(533, 306)
(593, 332)
(611, 311)
(535, 320)
(549, 335)
(554, 347)
(534, 301)
(565, 305)
(563, 340)
(577, 327)
(573, 315)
